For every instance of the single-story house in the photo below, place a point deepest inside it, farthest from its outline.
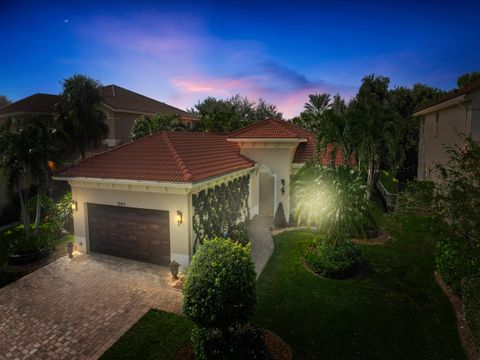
(135, 200)
(445, 122)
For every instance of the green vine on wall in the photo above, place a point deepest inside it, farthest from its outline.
(217, 209)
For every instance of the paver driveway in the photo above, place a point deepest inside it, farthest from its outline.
(78, 308)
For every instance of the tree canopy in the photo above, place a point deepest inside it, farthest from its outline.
(147, 125)
(468, 78)
(4, 100)
(223, 116)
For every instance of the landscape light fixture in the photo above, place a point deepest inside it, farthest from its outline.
(179, 217)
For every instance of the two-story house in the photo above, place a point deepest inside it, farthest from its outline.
(445, 123)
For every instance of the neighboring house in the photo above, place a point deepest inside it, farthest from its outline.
(127, 199)
(446, 122)
(122, 107)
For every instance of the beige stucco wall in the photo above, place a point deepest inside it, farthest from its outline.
(276, 158)
(453, 120)
(104, 194)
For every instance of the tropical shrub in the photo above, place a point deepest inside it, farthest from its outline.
(455, 260)
(457, 200)
(471, 305)
(147, 125)
(335, 200)
(43, 239)
(336, 261)
(219, 294)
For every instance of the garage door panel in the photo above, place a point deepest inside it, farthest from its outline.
(138, 234)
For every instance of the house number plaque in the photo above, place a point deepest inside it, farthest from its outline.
(121, 203)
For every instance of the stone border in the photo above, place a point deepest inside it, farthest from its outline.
(464, 332)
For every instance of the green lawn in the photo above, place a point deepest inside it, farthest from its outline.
(157, 335)
(392, 310)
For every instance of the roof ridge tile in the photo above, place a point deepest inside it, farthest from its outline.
(186, 174)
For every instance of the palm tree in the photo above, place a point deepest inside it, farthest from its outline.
(333, 199)
(26, 147)
(318, 104)
(80, 114)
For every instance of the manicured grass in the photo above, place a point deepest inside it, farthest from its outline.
(392, 310)
(157, 335)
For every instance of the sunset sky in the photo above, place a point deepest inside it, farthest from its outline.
(180, 52)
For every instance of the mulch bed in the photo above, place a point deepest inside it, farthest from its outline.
(464, 332)
(279, 349)
(12, 273)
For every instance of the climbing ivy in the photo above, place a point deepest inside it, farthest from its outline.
(217, 209)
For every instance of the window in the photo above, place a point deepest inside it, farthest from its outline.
(437, 120)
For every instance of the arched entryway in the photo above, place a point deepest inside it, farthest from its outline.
(267, 184)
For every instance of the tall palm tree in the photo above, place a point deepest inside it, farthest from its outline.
(80, 114)
(317, 103)
(26, 147)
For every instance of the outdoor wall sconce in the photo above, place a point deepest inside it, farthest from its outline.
(179, 217)
(282, 189)
(74, 205)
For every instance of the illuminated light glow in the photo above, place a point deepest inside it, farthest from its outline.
(179, 217)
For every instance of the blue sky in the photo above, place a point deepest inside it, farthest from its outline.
(180, 52)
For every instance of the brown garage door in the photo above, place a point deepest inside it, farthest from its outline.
(138, 234)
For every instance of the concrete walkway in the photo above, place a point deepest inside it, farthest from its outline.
(262, 241)
(76, 309)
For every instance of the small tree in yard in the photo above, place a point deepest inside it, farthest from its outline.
(219, 297)
(26, 146)
(279, 220)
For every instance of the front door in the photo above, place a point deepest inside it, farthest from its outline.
(266, 194)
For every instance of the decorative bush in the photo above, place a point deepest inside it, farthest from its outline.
(219, 289)
(334, 200)
(336, 261)
(219, 297)
(218, 209)
(417, 198)
(43, 240)
(471, 305)
(279, 220)
(455, 260)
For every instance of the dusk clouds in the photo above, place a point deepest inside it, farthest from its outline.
(182, 52)
(178, 61)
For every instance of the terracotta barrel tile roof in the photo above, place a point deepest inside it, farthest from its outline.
(165, 156)
(271, 129)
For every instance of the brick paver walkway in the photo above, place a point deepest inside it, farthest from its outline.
(76, 309)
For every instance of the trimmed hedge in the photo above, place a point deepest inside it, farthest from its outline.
(220, 298)
(219, 290)
(337, 261)
(471, 305)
